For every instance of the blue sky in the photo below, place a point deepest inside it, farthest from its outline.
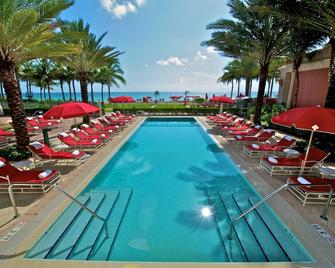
(161, 40)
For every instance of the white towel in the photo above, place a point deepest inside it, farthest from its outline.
(268, 130)
(45, 174)
(76, 129)
(103, 135)
(133, 115)
(76, 152)
(255, 146)
(40, 116)
(239, 137)
(94, 141)
(36, 127)
(37, 145)
(117, 126)
(110, 131)
(258, 126)
(272, 160)
(302, 180)
(288, 138)
(64, 135)
(85, 126)
(2, 164)
(49, 124)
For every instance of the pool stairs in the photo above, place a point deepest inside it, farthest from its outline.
(77, 235)
(259, 236)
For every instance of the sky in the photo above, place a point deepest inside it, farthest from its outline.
(161, 41)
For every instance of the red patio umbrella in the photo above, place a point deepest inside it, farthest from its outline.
(314, 119)
(222, 99)
(175, 97)
(70, 110)
(122, 99)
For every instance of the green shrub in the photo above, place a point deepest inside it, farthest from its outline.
(12, 154)
(200, 100)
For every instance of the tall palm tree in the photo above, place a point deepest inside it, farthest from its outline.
(156, 93)
(228, 77)
(58, 73)
(92, 55)
(44, 71)
(27, 31)
(91, 79)
(252, 30)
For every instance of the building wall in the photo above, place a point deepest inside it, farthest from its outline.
(313, 87)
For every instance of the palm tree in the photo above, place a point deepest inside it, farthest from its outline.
(252, 30)
(27, 30)
(44, 71)
(92, 55)
(248, 69)
(58, 73)
(156, 93)
(91, 79)
(26, 73)
(229, 75)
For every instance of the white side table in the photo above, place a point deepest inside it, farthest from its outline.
(291, 153)
(327, 171)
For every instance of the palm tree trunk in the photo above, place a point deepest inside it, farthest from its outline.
(330, 101)
(41, 93)
(84, 93)
(232, 89)
(238, 86)
(15, 104)
(102, 92)
(247, 86)
(74, 91)
(263, 73)
(49, 93)
(44, 93)
(109, 90)
(30, 94)
(1, 89)
(62, 88)
(271, 88)
(269, 85)
(92, 94)
(250, 89)
(296, 66)
(69, 86)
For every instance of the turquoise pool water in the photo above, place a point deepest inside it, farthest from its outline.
(156, 187)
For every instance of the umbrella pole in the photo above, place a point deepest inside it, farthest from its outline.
(307, 151)
(221, 108)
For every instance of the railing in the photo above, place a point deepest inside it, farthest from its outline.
(16, 213)
(266, 198)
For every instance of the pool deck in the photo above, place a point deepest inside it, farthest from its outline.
(38, 212)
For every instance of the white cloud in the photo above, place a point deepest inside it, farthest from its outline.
(200, 57)
(119, 8)
(172, 61)
(140, 2)
(211, 50)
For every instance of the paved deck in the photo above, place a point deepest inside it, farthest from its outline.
(37, 214)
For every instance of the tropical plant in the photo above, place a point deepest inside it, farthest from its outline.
(44, 72)
(59, 73)
(27, 32)
(92, 55)
(228, 77)
(26, 73)
(248, 69)
(251, 30)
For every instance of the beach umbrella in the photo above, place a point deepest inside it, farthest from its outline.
(70, 110)
(313, 119)
(174, 98)
(122, 99)
(206, 97)
(222, 100)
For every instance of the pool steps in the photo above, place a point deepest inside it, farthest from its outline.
(261, 236)
(69, 238)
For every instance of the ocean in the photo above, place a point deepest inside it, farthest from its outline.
(163, 96)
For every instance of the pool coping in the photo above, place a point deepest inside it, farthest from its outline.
(34, 229)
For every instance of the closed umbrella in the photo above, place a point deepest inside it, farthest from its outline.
(313, 119)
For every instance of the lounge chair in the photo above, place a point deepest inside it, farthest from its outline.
(224, 122)
(277, 148)
(26, 181)
(101, 127)
(248, 132)
(33, 123)
(88, 145)
(41, 119)
(317, 195)
(291, 166)
(4, 133)
(91, 131)
(81, 135)
(264, 136)
(120, 115)
(42, 153)
(240, 126)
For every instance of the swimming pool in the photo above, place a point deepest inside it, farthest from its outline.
(169, 194)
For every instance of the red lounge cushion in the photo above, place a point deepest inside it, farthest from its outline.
(307, 188)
